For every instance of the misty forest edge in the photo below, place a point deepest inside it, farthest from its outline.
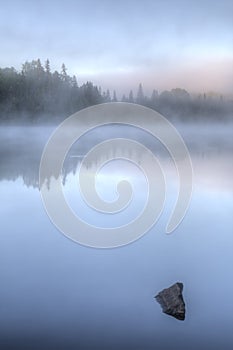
(36, 94)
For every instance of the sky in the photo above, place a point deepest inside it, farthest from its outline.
(117, 44)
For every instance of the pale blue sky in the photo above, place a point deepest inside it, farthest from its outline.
(118, 44)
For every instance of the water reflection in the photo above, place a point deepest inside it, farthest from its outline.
(21, 148)
(58, 294)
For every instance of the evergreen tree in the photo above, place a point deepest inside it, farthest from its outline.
(140, 95)
(131, 98)
(108, 96)
(64, 75)
(47, 67)
(39, 67)
(114, 98)
(37, 91)
(124, 99)
(74, 82)
(154, 96)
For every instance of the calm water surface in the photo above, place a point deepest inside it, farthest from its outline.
(57, 294)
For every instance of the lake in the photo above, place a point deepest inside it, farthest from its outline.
(58, 294)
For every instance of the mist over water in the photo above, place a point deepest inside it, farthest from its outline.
(143, 60)
(58, 294)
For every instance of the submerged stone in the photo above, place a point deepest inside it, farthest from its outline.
(172, 302)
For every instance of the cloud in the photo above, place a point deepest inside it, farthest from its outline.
(124, 40)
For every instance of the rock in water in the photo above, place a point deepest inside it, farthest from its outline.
(172, 302)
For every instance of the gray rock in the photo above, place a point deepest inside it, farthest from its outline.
(172, 302)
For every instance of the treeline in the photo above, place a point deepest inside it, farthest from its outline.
(36, 93)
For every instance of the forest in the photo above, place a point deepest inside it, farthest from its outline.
(36, 94)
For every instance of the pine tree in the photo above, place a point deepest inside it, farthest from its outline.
(64, 75)
(124, 99)
(47, 67)
(74, 82)
(140, 95)
(114, 99)
(108, 96)
(131, 98)
(39, 66)
(154, 95)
